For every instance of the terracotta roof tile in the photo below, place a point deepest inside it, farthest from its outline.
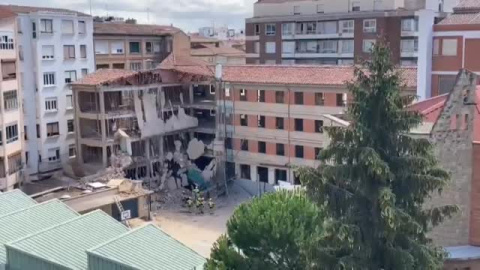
(300, 75)
(470, 18)
(102, 76)
(221, 50)
(108, 28)
(29, 9)
(430, 108)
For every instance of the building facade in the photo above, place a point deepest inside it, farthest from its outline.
(11, 115)
(456, 40)
(122, 45)
(55, 49)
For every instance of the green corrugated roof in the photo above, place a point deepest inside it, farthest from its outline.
(14, 200)
(65, 244)
(148, 248)
(31, 220)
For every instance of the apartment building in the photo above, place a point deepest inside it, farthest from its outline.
(55, 48)
(122, 45)
(456, 41)
(11, 116)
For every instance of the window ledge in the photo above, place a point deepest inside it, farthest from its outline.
(51, 111)
(69, 108)
(49, 86)
(53, 136)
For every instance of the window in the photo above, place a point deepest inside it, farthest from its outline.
(69, 101)
(298, 151)
(14, 163)
(243, 95)
(136, 66)
(10, 100)
(409, 25)
(256, 29)
(228, 143)
(347, 26)
(319, 126)
(6, 42)
(296, 10)
(446, 83)
(67, 27)
(279, 123)
(12, 133)
(436, 46)
(327, 46)
(20, 52)
(68, 51)
(262, 147)
(70, 126)
(287, 29)
(256, 47)
(298, 124)
(243, 120)
(46, 26)
(84, 72)
(449, 47)
(83, 51)
(279, 97)
(53, 154)
(157, 47)
(409, 45)
(261, 95)
(72, 151)
(38, 131)
(319, 99)
(19, 25)
(51, 104)
(288, 47)
(408, 63)
(329, 27)
(299, 98)
(280, 147)
(48, 78)
(368, 45)
(244, 145)
(320, 8)
(82, 27)
(311, 28)
(270, 29)
(34, 30)
(355, 6)
(341, 100)
(317, 152)
(52, 129)
(47, 52)
(261, 121)
(245, 171)
(347, 46)
(117, 47)
(101, 46)
(270, 47)
(370, 26)
(149, 47)
(70, 76)
(134, 47)
(9, 70)
(25, 133)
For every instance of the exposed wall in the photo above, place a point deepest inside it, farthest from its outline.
(452, 136)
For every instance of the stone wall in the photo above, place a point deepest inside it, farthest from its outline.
(452, 136)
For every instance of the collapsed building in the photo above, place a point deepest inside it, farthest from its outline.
(152, 124)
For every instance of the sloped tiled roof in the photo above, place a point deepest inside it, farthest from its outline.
(430, 108)
(472, 18)
(30, 9)
(31, 220)
(212, 50)
(104, 76)
(108, 28)
(65, 244)
(14, 200)
(145, 248)
(468, 6)
(187, 64)
(300, 75)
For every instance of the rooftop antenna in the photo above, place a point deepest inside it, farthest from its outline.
(90, 7)
(148, 15)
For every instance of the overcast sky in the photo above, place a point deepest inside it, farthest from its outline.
(186, 14)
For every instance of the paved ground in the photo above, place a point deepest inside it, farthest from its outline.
(199, 232)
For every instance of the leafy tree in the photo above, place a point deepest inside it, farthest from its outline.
(268, 233)
(375, 179)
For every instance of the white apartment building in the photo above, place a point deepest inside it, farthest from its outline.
(11, 120)
(56, 48)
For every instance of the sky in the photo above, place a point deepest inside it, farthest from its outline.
(188, 15)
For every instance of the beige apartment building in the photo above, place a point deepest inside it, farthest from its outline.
(120, 45)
